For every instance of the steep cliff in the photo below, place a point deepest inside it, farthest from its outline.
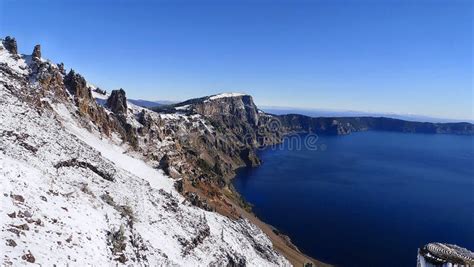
(80, 178)
(238, 128)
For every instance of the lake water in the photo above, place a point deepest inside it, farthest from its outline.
(369, 198)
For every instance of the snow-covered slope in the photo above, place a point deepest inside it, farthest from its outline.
(70, 195)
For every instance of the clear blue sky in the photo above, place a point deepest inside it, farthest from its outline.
(381, 56)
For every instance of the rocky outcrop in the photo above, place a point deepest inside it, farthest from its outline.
(239, 129)
(240, 108)
(36, 52)
(117, 101)
(61, 68)
(86, 165)
(87, 107)
(77, 85)
(10, 44)
(100, 91)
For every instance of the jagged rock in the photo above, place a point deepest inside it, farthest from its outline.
(117, 101)
(165, 164)
(61, 68)
(50, 78)
(77, 85)
(100, 91)
(36, 52)
(10, 45)
(86, 165)
(250, 157)
(145, 120)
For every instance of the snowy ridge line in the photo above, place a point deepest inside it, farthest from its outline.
(70, 214)
(225, 95)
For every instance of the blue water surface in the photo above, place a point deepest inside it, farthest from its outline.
(369, 198)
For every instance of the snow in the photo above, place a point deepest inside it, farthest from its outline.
(114, 152)
(225, 95)
(185, 107)
(91, 85)
(17, 65)
(98, 96)
(68, 212)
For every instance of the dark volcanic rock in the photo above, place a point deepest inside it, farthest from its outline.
(77, 85)
(61, 68)
(117, 101)
(100, 91)
(36, 52)
(82, 164)
(165, 164)
(10, 45)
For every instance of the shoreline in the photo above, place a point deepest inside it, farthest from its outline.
(281, 242)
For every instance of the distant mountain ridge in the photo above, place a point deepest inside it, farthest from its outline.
(347, 125)
(351, 113)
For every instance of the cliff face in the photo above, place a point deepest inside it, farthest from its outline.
(346, 125)
(238, 128)
(80, 177)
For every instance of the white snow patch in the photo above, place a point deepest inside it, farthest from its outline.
(18, 65)
(225, 95)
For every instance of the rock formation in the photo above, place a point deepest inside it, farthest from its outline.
(10, 44)
(117, 101)
(61, 68)
(77, 85)
(36, 52)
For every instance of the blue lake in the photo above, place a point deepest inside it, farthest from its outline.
(369, 198)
